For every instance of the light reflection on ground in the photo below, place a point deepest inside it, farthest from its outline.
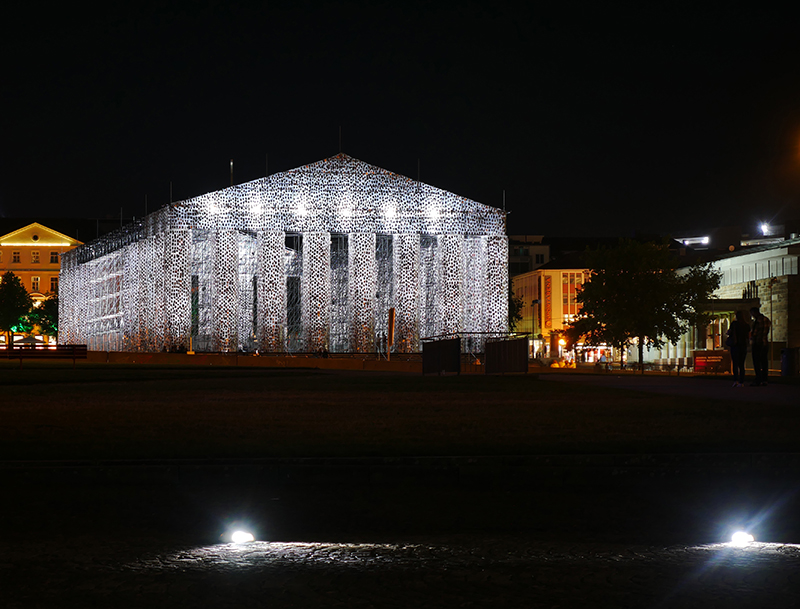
(370, 555)
(456, 571)
(265, 553)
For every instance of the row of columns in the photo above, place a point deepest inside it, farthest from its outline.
(469, 275)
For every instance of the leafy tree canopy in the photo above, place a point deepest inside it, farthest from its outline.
(15, 302)
(44, 317)
(635, 291)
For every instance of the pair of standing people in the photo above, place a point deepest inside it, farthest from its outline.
(740, 334)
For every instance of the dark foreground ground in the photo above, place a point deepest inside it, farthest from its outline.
(617, 538)
(619, 526)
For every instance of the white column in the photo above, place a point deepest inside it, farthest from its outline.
(271, 287)
(407, 292)
(475, 277)
(130, 297)
(450, 284)
(177, 289)
(361, 287)
(225, 295)
(496, 284)
(151, 293)
(66, 301)
(316, 289)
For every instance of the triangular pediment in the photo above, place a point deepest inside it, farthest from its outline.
(343, 195)
(36, 234)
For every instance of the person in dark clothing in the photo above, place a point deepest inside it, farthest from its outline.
(738, 335)
(759, 344)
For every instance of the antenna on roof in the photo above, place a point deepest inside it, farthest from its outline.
(417, 169)
(170, 192)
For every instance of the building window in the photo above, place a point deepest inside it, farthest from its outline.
(539, 258)
(53, 257)
(35, 257)
(570, 286)
(15, 257)
(54, 284)
(34, 284)
(1, 255)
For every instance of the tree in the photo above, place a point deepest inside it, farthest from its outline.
(514, 308)
(635, 292)
(45, 316)
(15, 302)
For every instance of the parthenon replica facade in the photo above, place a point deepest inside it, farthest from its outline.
(305, 260)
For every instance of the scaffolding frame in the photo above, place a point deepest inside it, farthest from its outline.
(311, 259)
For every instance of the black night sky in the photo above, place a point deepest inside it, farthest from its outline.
(592, 119)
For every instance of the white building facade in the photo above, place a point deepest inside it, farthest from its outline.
(766, 276)
(308, 259)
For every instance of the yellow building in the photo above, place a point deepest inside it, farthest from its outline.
(549, 303)
(33, 253)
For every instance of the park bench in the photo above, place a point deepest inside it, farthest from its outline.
(73, 352)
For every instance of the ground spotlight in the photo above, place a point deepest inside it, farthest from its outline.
(242, 537)
(741, 538)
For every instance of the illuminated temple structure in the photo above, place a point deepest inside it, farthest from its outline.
(308, 259)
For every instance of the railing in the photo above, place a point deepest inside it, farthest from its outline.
(73, 352)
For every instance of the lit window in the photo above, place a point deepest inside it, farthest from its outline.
(53, 257)
(54, 284)
(15, 257)
(1, 255)
(34, 284)
(35, 257)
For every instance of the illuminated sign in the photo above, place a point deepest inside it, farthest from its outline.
(548, 301)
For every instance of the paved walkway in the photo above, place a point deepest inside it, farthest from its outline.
(713, 389)
(454, 572)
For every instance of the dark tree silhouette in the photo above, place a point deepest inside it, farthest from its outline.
(635, 292)
(15, 302)
(514, 308)
(44, 316)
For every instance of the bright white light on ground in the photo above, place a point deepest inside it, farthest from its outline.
(242, 537)
(740, 538)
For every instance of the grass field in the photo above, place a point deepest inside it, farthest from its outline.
(132, 412)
